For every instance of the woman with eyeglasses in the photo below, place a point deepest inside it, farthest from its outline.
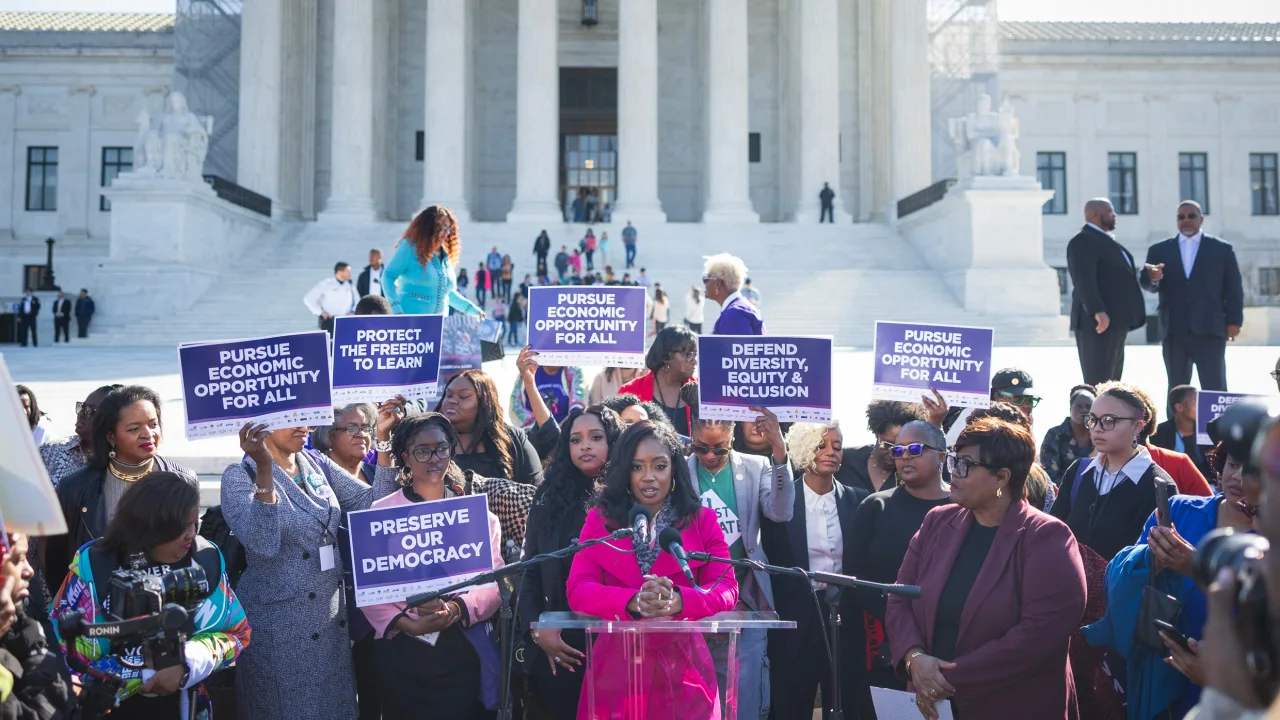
(883, 528)
(744, 490)
(125, 445)
(672, 361)
(429, 657)
(1040, 491)
(1107, 504)
(1068, 442)
(819, 538)
(67, 456)
(286, 506)
(553, 659)
(1164, 677)
(420, 280)
(870, 467)
(349, 440)
(1002, 590)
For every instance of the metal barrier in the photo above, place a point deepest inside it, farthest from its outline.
(924, 198)
(236, 195)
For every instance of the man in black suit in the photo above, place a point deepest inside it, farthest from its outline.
(84, 313)
(61, 318)
(28, 309)
(1201, 300)
(1107, 301)
(370, 280)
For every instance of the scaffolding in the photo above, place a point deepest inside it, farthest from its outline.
(964, 62)
(207, 70)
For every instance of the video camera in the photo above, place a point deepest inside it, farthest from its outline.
(149, 620)
(1242, 430)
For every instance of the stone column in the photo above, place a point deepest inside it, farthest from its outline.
(817, 74)
(537, 115)
(728, 197)
(638, 113)
(261, 71)
(911, 99)
(445, 145)
(10, 169)
(351, 161)
(73, 167)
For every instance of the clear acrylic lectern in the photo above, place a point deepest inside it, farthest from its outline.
(662, 668)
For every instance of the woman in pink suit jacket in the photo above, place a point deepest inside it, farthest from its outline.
(1003, 590)
(678, 678)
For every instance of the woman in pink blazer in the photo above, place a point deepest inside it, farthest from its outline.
(677, 678)
(1003, 590)
(430, 659)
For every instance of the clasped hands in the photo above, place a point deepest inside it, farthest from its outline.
(658, 597)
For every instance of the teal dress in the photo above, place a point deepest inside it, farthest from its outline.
(416, 289)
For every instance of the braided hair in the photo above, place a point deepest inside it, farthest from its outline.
(408, 428)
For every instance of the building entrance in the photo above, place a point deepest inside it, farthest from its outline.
(588, 143)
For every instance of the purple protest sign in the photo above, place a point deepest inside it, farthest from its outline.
(789, 375)
(404, 550)
(281, 380)
(376, 357)
(911, 358)
(1210, 404)
(601, 326)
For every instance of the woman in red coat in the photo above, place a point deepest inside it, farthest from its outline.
(672, 360)
(1003, 590)
(677, 678)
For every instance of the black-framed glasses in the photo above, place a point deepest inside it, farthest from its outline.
(424, 454)
(86, 410)
(689, 355)
(704, 450)
(959, 466)
(1275, 374)
(1108, 422)
(1030, 401)
(910, 450)
(354, 430)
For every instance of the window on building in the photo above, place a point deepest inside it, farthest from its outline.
(1122, 181)
(42, 178)
(1263, 183)
(115, 160)
(1051, 170)
(1193, 179)
(753, 147)
(419, 145)
(1269, 281)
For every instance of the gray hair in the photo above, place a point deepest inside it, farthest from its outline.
(803, 441)
(321, 433)
(726, 268)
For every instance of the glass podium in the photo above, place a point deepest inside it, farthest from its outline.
(662, 668)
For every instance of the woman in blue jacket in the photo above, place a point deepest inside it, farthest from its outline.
(421, 277)
(1171, 681)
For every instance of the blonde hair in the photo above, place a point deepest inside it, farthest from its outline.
(803, 442)
(726, 268)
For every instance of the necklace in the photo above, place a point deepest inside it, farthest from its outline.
(131, 477)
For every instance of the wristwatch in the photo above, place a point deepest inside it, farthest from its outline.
(382, 445)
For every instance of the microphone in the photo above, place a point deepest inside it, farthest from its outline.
(641, 520)
(670, 539)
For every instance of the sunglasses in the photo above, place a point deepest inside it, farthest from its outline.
(1187, 217)
(910, 450)
(704, 450)
(1030, 401)
(85, 410)
(1275, 374)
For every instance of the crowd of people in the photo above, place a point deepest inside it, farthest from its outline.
(1040, 570)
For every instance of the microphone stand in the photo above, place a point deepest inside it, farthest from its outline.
(835, 581)
(500, 576)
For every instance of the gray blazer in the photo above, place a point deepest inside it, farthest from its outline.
(301, 665)
(761, 487)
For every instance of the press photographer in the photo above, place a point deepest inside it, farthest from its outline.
(149, 560)
(33, 680)
(1238, 654)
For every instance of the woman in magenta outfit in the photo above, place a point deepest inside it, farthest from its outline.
(678, 678)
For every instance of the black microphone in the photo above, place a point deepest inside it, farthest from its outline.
(641, 520)
(670, 540)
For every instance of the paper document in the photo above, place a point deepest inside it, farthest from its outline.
(898, 705)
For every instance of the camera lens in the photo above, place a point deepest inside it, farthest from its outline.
(185, 587)
(1230, 549)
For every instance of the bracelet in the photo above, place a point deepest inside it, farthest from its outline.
(264, 490)
(911, 657)
(382, 445)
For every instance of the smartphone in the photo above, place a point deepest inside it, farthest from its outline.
(1162, 504)
(1173, 634)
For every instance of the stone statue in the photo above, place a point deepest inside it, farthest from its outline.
(174, 144)
(987, 141)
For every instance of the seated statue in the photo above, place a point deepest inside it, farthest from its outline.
(174, 144)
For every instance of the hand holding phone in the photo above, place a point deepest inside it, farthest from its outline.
(1162, 504)
(1173, 634)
